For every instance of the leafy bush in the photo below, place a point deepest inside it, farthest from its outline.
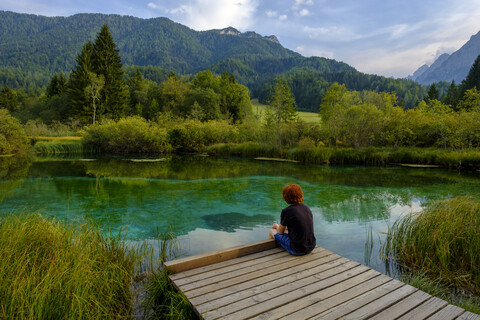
(128, 135)
(36, 128)
(194, 135)
(12, 136)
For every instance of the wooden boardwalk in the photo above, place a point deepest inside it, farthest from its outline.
(262, 281)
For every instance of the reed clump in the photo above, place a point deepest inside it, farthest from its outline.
(163, 300)
(57, 146)
(51, 270)
(443, 241)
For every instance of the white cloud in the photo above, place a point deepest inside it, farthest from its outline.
(283, 17)
(270, 13)
(299, 3)
(153, 5)
(211, 14)
(304, 12)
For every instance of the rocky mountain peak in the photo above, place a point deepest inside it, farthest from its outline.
(248, 34)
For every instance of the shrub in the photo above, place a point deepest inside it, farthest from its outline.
(128, 135)
(193, 135)
(12, 136)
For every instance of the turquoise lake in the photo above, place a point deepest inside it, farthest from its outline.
(213, 203)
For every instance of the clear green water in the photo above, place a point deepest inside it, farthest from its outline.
(216, 203)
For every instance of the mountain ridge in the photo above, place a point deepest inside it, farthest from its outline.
(450, 67)
(33, 48)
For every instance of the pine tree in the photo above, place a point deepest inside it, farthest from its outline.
(432, 93)
(473, 77)
(79, 80)
(57, 85)
(107, 62)
(451, 98)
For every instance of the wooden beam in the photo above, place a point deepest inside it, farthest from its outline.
(208, 258)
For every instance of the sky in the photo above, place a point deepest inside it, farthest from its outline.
(392, 38)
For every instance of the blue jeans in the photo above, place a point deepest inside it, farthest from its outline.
(284, 241)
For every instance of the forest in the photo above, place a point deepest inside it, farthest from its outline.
(36, 47)
(100, 96)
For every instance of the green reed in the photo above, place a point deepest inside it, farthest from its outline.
(51, 270)
(58, 146)
(163, 300)
(443, 241)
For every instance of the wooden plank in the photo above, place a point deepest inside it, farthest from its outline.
(217, 280)
(226, 263)
(403, 306)
(381, 303)
(262, 281)
(450, 312)
(281, 295)
(311, 305)
(245, 299)
(469, 316)
(249, 264)
(250, 281)
(425, 310)
(360, 301)
(330, 302)
(208, 258)
(277, 280)
(273, 268)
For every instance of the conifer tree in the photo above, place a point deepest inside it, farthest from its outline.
(473, 77)
(57, 85)
(106, 61)
(451, 98)
(432, 93)
(79, 80)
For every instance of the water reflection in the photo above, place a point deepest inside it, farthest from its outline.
(232, 221)
(12, 171)
(214, 203)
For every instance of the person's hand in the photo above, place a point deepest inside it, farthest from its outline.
(275, 226)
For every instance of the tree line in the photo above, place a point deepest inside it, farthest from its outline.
(96, 89)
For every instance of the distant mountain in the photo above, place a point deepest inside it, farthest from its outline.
(33, 48)
(450, 67)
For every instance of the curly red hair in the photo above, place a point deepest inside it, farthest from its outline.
(292, 194)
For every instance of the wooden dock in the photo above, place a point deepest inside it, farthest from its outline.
(262, 281)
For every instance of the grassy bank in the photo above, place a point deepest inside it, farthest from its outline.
(443, 241)
(307, 152)
(49, 270)
(259, 110)
(53, 270)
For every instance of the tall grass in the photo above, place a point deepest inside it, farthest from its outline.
(443, 241)
(163, 300)
(306, 151)
(60, 145)
(51, 270)
(437, 288)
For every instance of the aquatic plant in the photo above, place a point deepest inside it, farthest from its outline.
(52, 270)
(443, 240)
(163, 300)
(59, 145)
